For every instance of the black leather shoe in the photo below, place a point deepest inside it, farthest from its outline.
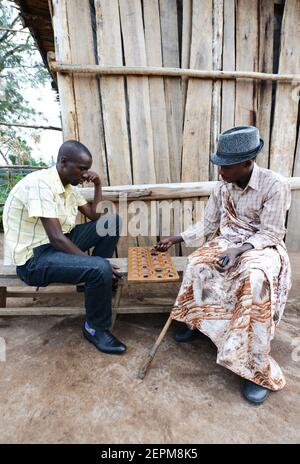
(187, 335)
(105, 341)
(255, 393)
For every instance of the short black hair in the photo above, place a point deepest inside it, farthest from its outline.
(72, 148)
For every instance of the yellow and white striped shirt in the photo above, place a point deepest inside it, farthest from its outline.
(39, 194)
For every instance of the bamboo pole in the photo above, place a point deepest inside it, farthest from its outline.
(170, 72)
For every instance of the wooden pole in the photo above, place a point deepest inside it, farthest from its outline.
(169, 72)
(144, 367)
(163, 191)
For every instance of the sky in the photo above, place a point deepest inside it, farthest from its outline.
(43, 99)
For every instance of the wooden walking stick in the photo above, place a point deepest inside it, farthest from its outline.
(144, 367)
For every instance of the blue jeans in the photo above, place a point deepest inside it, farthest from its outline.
(49, 265)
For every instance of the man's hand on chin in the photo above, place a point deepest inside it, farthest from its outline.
(92, 176)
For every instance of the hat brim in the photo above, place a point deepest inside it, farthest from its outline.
(238, 158)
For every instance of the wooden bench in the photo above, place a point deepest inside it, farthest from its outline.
(149, 193)
(9, 278)
(190, 192)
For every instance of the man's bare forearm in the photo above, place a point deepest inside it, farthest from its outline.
(62, 243)
(96, 201)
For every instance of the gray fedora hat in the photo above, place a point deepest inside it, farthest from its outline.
(236, 145)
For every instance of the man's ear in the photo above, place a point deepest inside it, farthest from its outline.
(63, 160)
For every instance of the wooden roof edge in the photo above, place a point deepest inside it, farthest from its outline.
(36, 16)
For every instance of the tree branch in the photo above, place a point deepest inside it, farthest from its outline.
(5, 36)
(31, 126)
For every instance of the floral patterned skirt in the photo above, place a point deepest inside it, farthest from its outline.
(235, 309)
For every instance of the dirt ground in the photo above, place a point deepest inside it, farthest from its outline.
(55, 387)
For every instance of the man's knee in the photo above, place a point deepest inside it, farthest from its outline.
(100, 270)
(259, 285)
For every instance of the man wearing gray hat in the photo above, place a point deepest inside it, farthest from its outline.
(236, 285)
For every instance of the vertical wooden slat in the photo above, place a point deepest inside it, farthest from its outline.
(138, 93)
(228, 87)
(187, 11)
(196, 136)
(287, 101)
(157, 94)
(86, 89)
(266, 37)
(173, 91)
(143, 161)
(293, 236)
(187, 15)
(218, 10)
(109, 49)
(246, 60)
(65, 81)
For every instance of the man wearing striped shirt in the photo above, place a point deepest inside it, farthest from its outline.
(42, 239)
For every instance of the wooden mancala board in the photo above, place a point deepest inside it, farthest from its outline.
(147, 265)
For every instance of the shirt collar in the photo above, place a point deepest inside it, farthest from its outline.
(253, 182)
(254, 179)
(59, 187)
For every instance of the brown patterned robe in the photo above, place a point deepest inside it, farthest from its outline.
(237, 309)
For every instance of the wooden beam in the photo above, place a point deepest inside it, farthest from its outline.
(164, 191)
(77, 311)
(60, 67)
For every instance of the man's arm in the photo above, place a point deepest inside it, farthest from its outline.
(202, 229)
(57, 239)
(90, 209)
(272, 225)
(273, 216)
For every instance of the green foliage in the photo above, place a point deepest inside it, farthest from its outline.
(20, 64)
(21, 67)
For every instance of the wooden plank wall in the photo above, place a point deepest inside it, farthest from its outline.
(158, 129)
